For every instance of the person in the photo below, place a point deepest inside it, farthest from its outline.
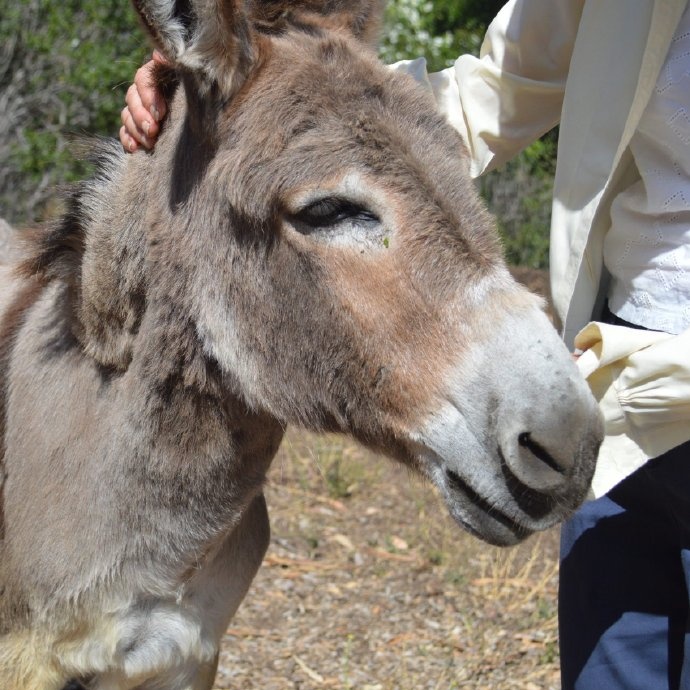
(614, 75)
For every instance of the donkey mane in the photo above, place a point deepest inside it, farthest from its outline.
(54, 249)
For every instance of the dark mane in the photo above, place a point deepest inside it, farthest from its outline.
(54, 249)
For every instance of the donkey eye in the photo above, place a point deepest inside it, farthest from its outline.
(326, 213)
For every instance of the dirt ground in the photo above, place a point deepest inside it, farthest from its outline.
(369, 585)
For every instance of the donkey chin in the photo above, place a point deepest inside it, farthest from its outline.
(513, 450)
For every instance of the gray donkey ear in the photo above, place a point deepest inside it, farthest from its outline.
(361, 18)
(211, 39)
(364, 18)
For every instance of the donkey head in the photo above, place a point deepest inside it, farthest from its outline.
(338, 266)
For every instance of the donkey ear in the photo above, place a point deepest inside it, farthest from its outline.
(211, 39)
(363, 18)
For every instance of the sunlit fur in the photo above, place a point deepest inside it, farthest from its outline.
(156, 340)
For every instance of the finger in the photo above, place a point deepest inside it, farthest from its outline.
(150, 98)
(159, 58)
(142, 119)
(132, 130)
(128, 144)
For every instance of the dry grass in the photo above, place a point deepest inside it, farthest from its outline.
(369, 585)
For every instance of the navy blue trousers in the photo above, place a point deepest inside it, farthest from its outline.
(625, 572)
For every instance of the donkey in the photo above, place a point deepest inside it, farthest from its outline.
(305, 246)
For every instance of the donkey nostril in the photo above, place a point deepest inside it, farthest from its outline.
(526, 441)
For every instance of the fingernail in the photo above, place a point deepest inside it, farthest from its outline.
(132, 146)
(155, 113)
(146, 126)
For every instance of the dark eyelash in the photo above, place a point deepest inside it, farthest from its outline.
(331, 211)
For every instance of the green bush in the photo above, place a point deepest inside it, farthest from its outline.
(65, 68)
(520, 196)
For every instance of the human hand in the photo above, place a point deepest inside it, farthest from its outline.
(145, 109)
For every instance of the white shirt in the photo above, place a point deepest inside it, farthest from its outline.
(647, 249)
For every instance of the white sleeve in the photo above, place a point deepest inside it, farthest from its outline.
(642, 382)
(513, 92)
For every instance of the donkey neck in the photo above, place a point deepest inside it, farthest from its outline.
(192, 442)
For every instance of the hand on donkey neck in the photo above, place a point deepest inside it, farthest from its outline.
(145, 108)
